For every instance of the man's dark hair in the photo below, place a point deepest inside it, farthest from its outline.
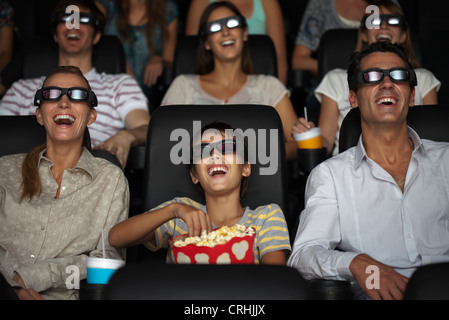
(357, 57)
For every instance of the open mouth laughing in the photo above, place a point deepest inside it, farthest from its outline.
(64, 119)
(217, 170)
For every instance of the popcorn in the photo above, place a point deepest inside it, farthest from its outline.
(221, 246)
(216, 237)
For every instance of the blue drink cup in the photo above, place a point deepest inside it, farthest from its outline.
(100, 270)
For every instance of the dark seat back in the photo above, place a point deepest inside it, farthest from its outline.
(261, 48)
(430, 122)
(20, 134)
(108, 56)
(148, 281)
(164, 180)
(430, 282)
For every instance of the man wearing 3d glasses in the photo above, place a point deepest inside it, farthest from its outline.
(379, 209)
(123, 116)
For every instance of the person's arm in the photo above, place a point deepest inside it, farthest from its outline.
(155, 66)
(276, 31)
(194, 13)
(288, 118)
(6, 46)
(302, 59)
(431, 97)
(328, 122)
(274, 257)
(314, 251)
(140, 228)
(134, 134)
(391, 284)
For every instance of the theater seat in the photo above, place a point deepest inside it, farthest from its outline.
(108, 56)
(165, 180)
(430, 282)
(430, 122)
(261, 47)
(148, 281)
(20, 134)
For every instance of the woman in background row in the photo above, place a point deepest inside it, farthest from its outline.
(225, 71)
(262, 17)
(148, 30)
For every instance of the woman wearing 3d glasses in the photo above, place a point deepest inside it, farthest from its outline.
(56, 200)
(225, 71)
(333, 91)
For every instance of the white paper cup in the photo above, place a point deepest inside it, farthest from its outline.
(100, 270)
(309, 140)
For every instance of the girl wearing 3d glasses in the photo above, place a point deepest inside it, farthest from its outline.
(56, 200)
(225, 71)
(221, 169)
(333, 91)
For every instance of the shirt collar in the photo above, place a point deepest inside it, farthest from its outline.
(86, 162)
(360, 152)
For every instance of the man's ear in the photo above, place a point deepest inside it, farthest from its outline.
(353, 99)
(97, 37)
(412, 98)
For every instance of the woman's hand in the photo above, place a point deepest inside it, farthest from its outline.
(302, 126)
(153, 70)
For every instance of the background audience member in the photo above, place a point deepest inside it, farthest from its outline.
(6, 37)
(148, 30)
(226, 74)
(384, 203)
(262, 17)
(320, 16)
(218, 152)
(123, 115)
(57, 199)
(333, 91)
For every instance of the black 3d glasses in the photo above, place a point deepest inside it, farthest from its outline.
(217, 25)
(374, 76)
(85, 18)
(77, 94)
(395, 20)
(226, 146)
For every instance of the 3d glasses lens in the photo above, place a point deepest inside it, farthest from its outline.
(390, 19)
(217, 25)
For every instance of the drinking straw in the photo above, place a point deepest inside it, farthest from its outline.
(102, 242)
(305, 114)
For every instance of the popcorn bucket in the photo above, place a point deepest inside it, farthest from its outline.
(238, 250)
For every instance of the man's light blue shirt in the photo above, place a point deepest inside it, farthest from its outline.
(354, 206)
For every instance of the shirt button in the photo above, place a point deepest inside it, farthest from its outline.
(63, 188)
(42, 228)
(408, 236)
(32, 256)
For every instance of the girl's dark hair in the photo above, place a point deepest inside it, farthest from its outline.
(155, 10)
(31, 182)
(223, 127)
(205, 58)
